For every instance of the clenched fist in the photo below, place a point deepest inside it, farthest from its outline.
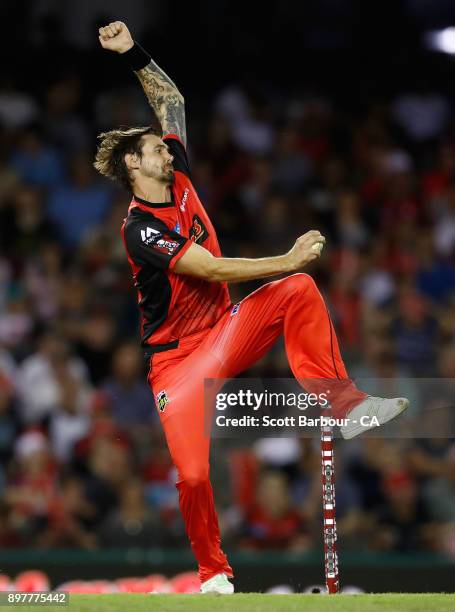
(305, 249)
(116, 37)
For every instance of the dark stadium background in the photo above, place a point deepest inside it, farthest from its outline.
(335, 115)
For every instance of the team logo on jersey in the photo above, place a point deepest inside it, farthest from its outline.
(163, 243)
(198, 231)
(162, 400)
(184, 199)
(177, 228)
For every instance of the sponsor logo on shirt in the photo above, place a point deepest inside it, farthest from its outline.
(162, 400)
(165, 246)
(177, 228)
(198, 231)
(162, 243)
(184, 199)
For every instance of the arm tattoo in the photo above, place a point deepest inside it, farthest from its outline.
(165, 99)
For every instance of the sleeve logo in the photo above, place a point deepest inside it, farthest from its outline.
(147, 234)
(163, 243)
(198, 231)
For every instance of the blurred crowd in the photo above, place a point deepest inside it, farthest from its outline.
(83, 462)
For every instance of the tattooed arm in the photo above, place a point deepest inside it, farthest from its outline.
(161, 92)
(165, 99)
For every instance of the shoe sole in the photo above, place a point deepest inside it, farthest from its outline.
(216, 593)
(402, 405)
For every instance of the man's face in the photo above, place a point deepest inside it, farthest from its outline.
(156, 160)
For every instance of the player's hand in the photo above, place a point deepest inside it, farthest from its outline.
(116, 37)
(303, 252)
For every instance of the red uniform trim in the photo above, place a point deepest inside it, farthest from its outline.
(175, 137)
(136, 270)
(182, 251)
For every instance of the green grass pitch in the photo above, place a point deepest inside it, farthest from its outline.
(257, 602)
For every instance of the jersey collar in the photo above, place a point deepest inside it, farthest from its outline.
(156, 204)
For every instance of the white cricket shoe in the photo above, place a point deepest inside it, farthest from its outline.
(378, 411)
(218, 584)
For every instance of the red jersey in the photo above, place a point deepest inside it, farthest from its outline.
(156, 235)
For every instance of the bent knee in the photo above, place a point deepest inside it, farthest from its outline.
(194, 476)
(299, 282)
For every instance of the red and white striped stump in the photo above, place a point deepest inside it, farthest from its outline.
(328, 507)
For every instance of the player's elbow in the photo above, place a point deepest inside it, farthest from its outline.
(199, 263)
(211, 270)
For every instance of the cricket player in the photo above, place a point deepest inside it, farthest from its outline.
(190, 329)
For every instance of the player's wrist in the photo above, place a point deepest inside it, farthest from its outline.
(136, 57)
(287, 263)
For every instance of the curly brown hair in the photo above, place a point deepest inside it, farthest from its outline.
(114, 145)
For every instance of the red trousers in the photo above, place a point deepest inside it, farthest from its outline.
(292, 306)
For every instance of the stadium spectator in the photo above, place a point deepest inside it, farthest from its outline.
(35, 161)
(273, 521)
(403, 521)
(9, 422)
(79, 204)
(129, 399)
(39, 378)
(439, 493)
(134, 524)
(31, 486)
(69, 517)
